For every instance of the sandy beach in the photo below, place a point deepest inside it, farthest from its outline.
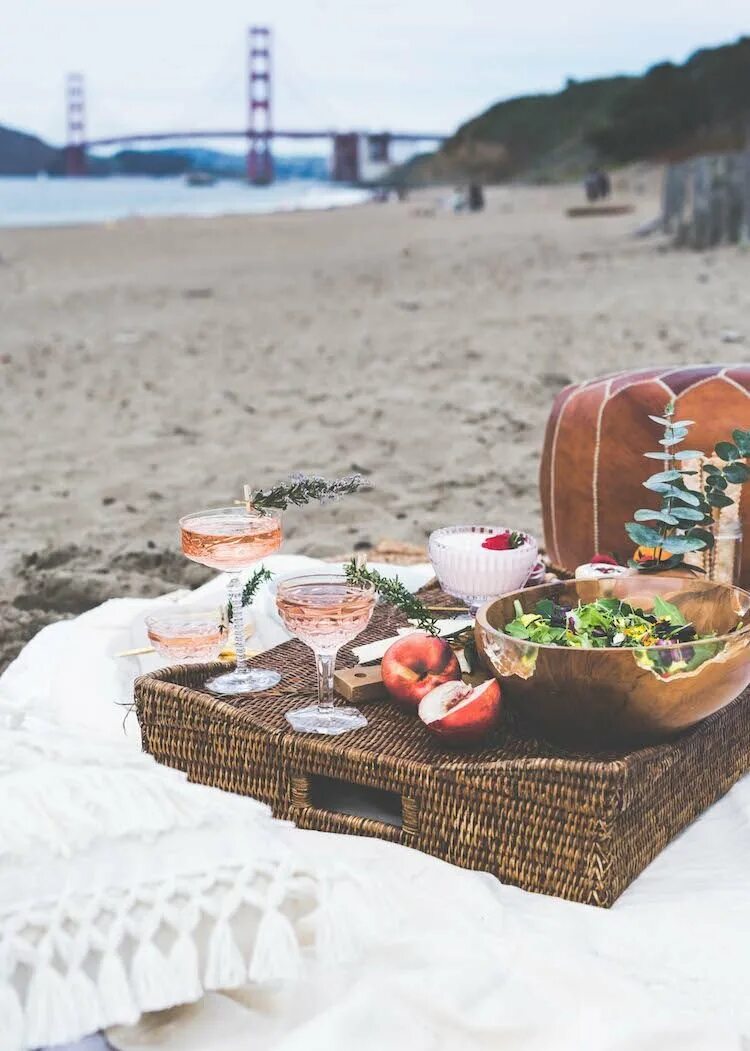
(151, 367)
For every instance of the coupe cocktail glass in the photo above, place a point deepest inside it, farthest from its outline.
(186, 635)
(325, 611)
(231, 539)
(475, 573)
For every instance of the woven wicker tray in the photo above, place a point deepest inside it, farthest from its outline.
(578, 827)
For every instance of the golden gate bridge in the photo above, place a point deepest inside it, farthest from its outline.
(355, 154)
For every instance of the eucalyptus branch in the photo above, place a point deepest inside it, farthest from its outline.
(395, 593)
(299, 490)
(252, 585)
(736, 471)
(686, 513)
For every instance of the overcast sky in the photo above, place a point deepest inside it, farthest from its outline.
(398, 64)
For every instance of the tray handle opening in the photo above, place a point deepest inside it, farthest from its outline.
(345, 797)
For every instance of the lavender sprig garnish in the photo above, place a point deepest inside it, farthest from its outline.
(300, 490)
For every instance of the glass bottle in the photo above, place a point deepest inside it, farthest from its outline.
(724, 560)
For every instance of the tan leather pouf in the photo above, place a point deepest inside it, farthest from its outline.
(593, 467)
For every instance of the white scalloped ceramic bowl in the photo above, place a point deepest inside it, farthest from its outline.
(474, 573)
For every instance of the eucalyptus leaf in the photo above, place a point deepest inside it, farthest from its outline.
(727, 451)
(665, 476)
(646, 515)
(672, 491)
(688, 514)
(742, 441)
(658, 456)
(688, 454)
(679, 545)
(711, 468)
(662, 420)
(657, 487)
(643, 535)
(717, 481)
(686, 497)
(674, 440)
(683, 423)
(717, 499)
(703, 534)
(737, 473)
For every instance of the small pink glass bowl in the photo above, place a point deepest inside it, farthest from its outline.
(186, 635)
(474, 573)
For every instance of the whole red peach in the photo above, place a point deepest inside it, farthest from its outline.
(416, 664)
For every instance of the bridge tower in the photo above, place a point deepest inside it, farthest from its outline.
(346, 167)
(75, 112)
(260, 127)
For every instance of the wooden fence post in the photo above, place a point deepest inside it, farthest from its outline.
(706, 201)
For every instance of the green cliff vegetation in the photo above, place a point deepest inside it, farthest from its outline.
(669, 112)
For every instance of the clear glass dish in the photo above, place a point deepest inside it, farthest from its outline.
(474, 573)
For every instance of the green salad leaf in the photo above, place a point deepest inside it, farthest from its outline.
(605, 623)
(668, 611)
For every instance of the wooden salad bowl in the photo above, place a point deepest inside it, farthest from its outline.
(615, 698)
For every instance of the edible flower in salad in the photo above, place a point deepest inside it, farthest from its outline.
(605, 623)
(662, 641)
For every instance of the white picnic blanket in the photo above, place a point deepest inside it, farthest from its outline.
(124, 889)
(457, 961)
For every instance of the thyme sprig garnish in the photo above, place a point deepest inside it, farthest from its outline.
(300, 489)
(393, 592)
(248, 592)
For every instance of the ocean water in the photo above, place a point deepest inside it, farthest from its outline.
(57, 201)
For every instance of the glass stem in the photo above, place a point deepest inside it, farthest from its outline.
(325, 663)
(238, 622)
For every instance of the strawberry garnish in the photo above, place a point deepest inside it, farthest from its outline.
(505, 541)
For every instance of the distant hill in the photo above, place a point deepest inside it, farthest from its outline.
(676, 111)
(670, 111)
(24, 154)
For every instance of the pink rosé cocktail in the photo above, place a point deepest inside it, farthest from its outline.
(231, 539)
(181, 635)
(324, 610)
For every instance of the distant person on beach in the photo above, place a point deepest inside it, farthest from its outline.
(476, 197)
(591, 186)
(597, 185)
